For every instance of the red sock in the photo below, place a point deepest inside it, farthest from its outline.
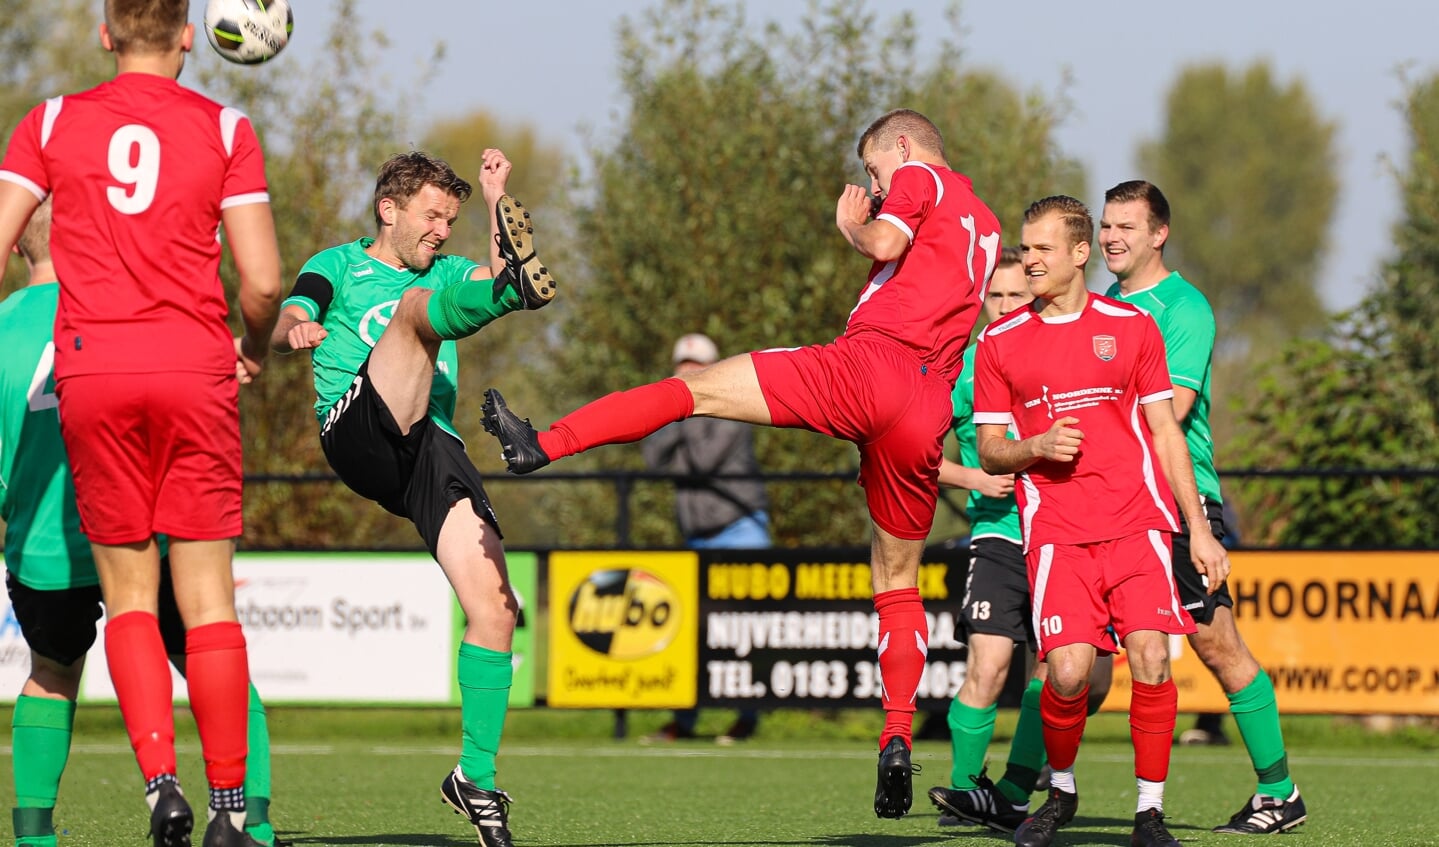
(1151, 727)
(218, 675)
(619, 418)
(141, 675)
(903, 646)
(1064, 719)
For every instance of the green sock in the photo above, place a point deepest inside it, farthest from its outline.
(34, 827)
(40, 738)
(970, 730)
(485, 677)
(462, 309)
(1026, 752)
(257, 774)
(1257, 717)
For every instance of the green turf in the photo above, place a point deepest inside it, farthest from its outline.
(350, 778)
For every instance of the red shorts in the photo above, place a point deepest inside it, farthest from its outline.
(1080, 590)
(154, 453)
(874, 392)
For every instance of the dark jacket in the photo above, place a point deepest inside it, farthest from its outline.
(700, 448)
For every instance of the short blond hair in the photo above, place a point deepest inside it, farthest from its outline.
(1078, 223)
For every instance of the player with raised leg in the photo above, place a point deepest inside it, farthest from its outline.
(1132, 233)
(382, 315)
(884, 385)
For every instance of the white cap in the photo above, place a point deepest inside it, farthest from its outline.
(696, 347)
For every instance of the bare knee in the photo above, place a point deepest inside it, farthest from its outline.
(49, 678)
(1148, 654)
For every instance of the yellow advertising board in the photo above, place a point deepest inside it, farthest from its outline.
(623, 629)
(1338, 633)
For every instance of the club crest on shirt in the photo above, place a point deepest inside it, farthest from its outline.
(1105, 347)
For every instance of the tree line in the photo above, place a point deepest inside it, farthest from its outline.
(710, 208)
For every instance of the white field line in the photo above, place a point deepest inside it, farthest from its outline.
(635, 751)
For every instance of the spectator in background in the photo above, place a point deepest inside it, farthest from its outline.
(715, 508)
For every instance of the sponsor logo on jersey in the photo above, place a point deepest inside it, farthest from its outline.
(1105, 347)
(373, 324)
(625, 613)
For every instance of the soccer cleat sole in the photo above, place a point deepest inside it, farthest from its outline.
(536, 284)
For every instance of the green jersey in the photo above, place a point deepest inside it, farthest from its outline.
(989, 517)
(353, 295)
(44, 547)
(1187, 324)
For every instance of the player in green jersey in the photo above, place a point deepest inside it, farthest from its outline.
(1132, 234)
(382, 315)
(995, 613)
(50, 572)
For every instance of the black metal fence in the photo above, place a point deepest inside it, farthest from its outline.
(623, 484)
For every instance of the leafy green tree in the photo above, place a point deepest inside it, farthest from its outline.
(1364, 396)
(1248, 165)
(713, 210)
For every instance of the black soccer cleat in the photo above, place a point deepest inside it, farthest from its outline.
(893, 793)
(526, 272)
(982, 805)
(1264, 815)
(1038, 829)
(488, 811)
(519, 443)
(170, 817)
(222, 833)
(1150, 831)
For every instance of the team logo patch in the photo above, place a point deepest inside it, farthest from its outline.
(1105, 347)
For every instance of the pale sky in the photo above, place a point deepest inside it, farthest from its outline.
(553, 65)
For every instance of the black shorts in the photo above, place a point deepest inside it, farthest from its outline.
(417, 476)
(1197, 601)
(60, 624)
(996, 592)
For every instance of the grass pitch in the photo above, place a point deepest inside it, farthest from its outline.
(372, 778)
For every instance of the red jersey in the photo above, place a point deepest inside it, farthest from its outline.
(928, 298)
(139, 168)
(1099, 365)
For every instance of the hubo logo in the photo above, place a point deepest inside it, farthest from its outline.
(624, 614)
(373, 324)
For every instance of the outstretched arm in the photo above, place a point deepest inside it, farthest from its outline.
(494, 176)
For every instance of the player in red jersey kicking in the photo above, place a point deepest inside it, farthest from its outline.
(884, 385)
(1082, 381)
(143, 173)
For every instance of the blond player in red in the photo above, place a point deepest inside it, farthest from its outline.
(143, 173)
(884, 385)
(1082, 382)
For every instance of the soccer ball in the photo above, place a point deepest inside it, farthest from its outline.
(248, 31)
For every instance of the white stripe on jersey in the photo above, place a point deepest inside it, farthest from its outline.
(1166, 394)
(52, 111)
(245, 199)
(11, 176)
(1150, 481)
(1126, 311)
(1031, 507)
(230, 118)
